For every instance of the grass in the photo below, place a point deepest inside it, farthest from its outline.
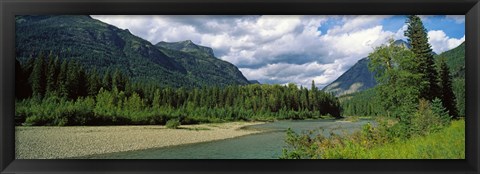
(448, 143)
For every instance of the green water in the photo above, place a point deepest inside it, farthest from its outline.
(267, 145)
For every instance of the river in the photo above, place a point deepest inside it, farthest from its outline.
(266, 145)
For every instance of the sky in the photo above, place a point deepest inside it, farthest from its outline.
(290, 49)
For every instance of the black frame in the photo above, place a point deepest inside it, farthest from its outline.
(10, 8)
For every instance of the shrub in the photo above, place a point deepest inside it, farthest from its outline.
(36, 121)
(173, 124)
(430, 117)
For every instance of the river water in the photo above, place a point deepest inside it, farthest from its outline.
(266, 145)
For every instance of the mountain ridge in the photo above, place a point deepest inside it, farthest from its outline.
(102, 46)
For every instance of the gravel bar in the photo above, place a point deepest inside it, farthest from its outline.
(75, 141)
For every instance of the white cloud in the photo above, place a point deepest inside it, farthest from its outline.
(276, 49)
(354, 23)
(400, 34)
(441, 42)
(459, 19)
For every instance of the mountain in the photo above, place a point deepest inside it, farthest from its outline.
(187, 46)
(95, 44)
(254, 82)
(357, 78)
(202, 67)
(402, 43)
(455, 60)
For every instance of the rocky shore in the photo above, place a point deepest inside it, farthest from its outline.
(67, 142)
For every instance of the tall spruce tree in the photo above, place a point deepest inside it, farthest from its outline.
(119, 80)
(418, 39)
(447, 95)
(82, 89)
(22, 89)
(94, 83)
(38, 78)
(52, 75)
(107, 80)
(62, 79)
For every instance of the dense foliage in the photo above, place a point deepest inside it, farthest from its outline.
(356, 105)
(396, 75)
(63, 93)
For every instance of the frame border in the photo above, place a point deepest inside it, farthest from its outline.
(10, 8)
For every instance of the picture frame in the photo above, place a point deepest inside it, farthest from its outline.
(10, 8)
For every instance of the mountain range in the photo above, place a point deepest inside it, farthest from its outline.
(95, 44)
(98, 45)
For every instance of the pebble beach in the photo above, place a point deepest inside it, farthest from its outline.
(76, 141)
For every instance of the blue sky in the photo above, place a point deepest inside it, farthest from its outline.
(452, 26)
(290, 49)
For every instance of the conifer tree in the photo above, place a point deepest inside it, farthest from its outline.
(22, 90)
(119, 80)
(94, 83)
(62, 79)
(52, 75)
(418, 39)
(38, 77)
(447, 95)
(107, 80)
(82, 84)
(313, 96)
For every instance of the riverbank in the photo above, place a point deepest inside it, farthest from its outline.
(68, 142)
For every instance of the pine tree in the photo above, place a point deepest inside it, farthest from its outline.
(313, 96)
(119, 80)
(447, 95)
(52, 75)
(107, 80)
(62, 79)
(94, 83)
(82, 84)
(38, 77)
(418, 39)
(74, 80)
(22, 90)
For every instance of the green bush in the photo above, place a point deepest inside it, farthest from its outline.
(173, 124)
(429, 118)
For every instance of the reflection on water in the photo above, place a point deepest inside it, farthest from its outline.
(267, 145)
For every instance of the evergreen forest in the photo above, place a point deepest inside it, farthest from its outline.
(59, 92)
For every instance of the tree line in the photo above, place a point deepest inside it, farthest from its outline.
(54, 91)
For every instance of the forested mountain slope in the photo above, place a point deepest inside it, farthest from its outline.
(95, 44)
